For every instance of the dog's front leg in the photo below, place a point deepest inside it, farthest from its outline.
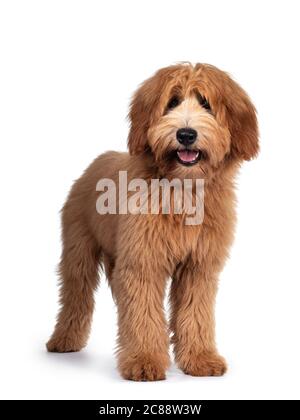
(138, 286)
(193, 293)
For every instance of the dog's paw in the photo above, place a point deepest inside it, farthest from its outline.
(142, 368)
(64, 344)
(204, 364)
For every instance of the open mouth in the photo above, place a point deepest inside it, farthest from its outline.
(188, 157)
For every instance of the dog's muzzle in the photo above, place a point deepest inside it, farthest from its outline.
(186, 137)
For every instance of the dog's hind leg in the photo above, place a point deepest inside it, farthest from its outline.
(79, 278)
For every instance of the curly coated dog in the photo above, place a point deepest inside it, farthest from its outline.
(187, 122)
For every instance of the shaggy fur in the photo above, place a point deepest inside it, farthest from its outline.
(140, 252)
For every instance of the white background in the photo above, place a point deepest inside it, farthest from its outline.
(67, 71)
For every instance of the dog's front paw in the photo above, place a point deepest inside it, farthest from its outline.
(204, 364)
(64, 344)
(142, 368)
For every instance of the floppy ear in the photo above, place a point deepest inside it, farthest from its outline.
(243, 127)
(139, 115)
(145, 107)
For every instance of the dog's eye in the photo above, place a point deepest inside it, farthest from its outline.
(173, 102)
(203, 102)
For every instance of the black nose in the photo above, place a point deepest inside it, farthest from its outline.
(186, 136)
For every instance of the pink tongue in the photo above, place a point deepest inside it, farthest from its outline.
(187, 155)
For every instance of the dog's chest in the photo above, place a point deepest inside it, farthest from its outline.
(212, 236)
(179, 239)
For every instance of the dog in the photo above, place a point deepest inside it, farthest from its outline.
(186, 122)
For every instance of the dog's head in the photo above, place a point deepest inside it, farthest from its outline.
(195, 120)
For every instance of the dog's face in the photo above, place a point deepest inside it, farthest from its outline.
(194, 120)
